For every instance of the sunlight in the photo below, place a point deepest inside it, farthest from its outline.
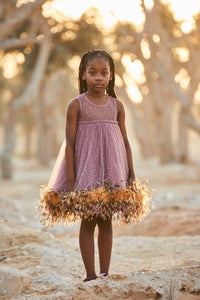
(145, 49)
(135, 94)
(134, 75)
(21, 2)
(118, 81)
(74, 62)
(184, 11)
(182, 78)
(10, 62)
(149, 4)
(135, 68)
(197, 95)
(188, 25)
(111, 10)
(182, 54)
(156, 38)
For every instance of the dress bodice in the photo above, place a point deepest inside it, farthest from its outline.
(93, 112)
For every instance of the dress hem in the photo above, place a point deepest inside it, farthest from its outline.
(128, 205)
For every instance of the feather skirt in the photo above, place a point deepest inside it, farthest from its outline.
(130, 204)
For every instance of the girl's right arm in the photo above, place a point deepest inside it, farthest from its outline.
(71, 129)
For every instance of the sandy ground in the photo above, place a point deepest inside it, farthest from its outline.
(157, 258)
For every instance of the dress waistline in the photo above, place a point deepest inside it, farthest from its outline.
(98, 121)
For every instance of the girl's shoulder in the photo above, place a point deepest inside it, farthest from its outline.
(120, 104)
(73, 104)
(74, 101)
(117, 101)
(77, 101)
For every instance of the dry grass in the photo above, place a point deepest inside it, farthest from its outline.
(171, 290)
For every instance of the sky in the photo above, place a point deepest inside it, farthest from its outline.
(129, 10)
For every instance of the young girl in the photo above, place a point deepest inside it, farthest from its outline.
(93, 177)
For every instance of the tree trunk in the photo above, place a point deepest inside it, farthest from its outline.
(165, 131)
(136, 123)
(30, 94)
(6, 163)
(53, 139)
(149, 120)
(28, 135)
(164, 125)
(182, 154)
(44, 149)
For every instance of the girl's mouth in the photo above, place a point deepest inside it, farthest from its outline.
(99, 85)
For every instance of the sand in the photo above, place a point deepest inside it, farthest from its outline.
(157, 258)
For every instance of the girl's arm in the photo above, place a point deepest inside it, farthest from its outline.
(121, 120)
(71, 129)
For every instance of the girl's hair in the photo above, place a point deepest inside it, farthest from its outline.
(82, 68)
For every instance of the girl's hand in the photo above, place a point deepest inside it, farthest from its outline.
(132, 183)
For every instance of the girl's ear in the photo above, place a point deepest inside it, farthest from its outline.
(83, 76)
(111, 75)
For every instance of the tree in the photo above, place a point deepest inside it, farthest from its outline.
(30, 16)
(50, 48)
(158, 46)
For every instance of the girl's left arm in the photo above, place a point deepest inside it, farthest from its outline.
(121, 120)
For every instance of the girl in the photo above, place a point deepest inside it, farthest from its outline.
(93, 177)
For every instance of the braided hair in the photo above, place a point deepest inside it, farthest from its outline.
(82, 68)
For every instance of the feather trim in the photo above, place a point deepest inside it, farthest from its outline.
(128, 205)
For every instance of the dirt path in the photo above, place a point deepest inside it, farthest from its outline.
(151, 259)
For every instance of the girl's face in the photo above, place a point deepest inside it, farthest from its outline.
(97, 74)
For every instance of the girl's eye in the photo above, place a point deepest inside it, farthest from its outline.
(92, 73)
(105, 73)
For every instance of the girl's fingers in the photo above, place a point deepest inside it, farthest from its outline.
(135, 187)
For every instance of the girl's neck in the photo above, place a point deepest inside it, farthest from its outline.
(96, 97)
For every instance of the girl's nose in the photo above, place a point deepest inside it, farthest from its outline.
(98, 76)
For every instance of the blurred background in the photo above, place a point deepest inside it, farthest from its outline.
(156, 49)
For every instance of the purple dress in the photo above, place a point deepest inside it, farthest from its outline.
(100, 152)
(101, 167)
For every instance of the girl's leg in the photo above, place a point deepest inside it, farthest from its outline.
(86, 241)
(105, 237)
